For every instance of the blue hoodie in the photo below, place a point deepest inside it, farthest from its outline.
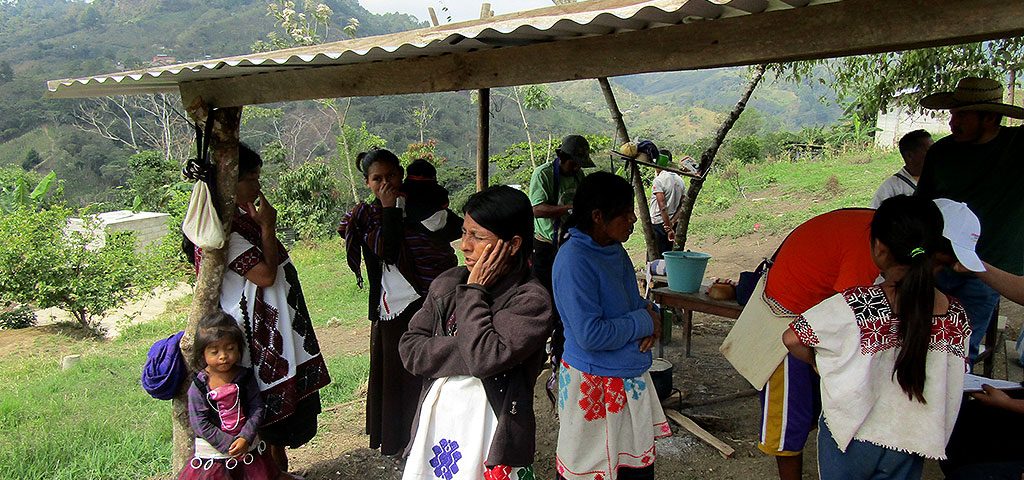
(604, 316)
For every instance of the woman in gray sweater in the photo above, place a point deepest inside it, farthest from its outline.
(479, 342)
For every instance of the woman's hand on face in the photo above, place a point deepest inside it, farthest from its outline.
(492, 265)
(265, 216)
(388, 195)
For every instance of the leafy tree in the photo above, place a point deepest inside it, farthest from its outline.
(308, 200)
(19, 193)
(152, 181)
(6, 72)
(41, 264)
(352, 141)
(32, 158)
(301, 28)
(90, 17)
(866, 84)
(426, 150)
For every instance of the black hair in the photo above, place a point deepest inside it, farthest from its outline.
(911, 228)
(248, 161)
(606, 192)
(215, 327)
(421, 168)
(507, 213)
(666, 153)
(912, 140)
(366, 159)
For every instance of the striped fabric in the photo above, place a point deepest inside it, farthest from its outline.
(790, 407)
(421, 259)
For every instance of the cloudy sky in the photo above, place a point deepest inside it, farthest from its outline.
(459, 10)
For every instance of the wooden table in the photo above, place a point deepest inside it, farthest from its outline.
(694, 302)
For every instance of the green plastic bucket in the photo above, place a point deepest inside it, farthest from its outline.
(685, 270)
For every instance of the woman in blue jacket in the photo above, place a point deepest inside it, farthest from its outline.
(608, 410)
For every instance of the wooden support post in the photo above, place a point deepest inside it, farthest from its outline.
(483, 138)
(206, 298)
(433, 16)
(622, 136)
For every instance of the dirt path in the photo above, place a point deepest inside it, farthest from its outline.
(141, 310)
(339, 451)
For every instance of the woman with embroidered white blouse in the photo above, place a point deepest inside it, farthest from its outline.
(891, 356)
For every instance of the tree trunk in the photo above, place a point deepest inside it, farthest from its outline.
(347, 157)
(483, 138)
(526, 126)
(206, 298)
(622, 136)
(707, 159)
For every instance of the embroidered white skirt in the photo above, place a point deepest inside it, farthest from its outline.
(606, 423)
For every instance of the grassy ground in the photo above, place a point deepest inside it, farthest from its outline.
(94, 420)
(329, 286)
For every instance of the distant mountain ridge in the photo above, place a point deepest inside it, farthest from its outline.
(47, 39)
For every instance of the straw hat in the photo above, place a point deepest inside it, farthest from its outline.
(974, 94)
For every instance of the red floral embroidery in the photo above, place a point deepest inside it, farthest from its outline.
(878, 334)
(950, 334)
(879, 328)
(592, 402)
(615, 394)
(804, 332)
(498, 472)
(601, 395)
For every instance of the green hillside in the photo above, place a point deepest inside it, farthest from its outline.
(47, 39)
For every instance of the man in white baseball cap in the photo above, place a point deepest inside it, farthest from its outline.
(962, 228)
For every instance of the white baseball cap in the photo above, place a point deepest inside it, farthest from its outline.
(962, 228)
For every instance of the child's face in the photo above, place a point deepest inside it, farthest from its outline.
(380, 174)
(222, 355)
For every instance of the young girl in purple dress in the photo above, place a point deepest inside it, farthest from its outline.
(225, 408)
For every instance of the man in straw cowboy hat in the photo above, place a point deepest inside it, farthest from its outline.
(981, 164)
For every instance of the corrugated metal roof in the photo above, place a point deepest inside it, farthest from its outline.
(551, 24)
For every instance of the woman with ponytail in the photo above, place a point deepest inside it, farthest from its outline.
(891, 356)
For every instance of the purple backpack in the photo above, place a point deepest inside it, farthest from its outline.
(165, 369)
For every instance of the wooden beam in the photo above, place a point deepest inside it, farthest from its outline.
(433, 16)
(817, 31)
(483, 138)
(723, 448)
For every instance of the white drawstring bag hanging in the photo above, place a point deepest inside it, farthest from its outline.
(202, 225)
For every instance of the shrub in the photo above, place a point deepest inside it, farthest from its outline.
(21, 316)
(747, 149)
(309, 200)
